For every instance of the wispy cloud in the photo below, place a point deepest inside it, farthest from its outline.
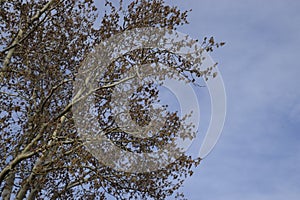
(258, 155)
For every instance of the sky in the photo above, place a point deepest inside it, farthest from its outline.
(258, 153)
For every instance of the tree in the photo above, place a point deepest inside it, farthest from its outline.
(43, 45)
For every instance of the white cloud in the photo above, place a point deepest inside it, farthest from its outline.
(258, 154)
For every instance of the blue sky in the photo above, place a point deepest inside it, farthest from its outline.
(258, 154)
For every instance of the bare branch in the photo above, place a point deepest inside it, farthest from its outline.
(18, 37)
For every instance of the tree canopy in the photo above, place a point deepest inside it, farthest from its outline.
(42, 47)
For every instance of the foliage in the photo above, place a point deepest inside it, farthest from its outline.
(42, 45)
